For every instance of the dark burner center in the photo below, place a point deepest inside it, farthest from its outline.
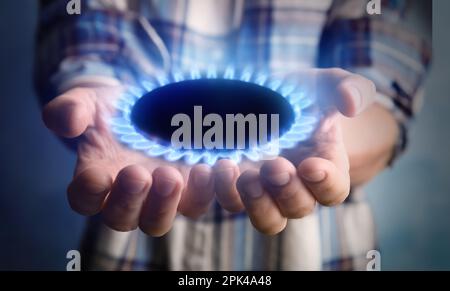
(152, 114)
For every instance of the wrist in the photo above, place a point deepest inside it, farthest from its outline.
(370, 140)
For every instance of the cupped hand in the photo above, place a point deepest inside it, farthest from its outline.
(132, 190)
(289, 186)
(129, 189)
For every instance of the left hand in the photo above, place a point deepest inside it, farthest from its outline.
(317, 170)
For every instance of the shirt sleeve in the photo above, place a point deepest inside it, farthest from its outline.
(393, 49)
(103, 44)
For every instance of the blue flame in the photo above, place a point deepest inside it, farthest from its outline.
(299, 131)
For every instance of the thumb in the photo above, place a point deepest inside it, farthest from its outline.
(69, 114)
(355, 94)
(348, 93)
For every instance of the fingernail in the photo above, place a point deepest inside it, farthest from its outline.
(165, 187)
(226, 175)
(202, 179)
(254, 189)
(278, 180)
(133, 186)
(356, 95)
(314, 177)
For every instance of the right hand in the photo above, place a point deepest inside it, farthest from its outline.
(128, 188)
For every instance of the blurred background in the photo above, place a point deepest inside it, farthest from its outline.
(411, 202)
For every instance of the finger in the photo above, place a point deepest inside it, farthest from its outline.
(123, 206)
(329, 184)
(199, 193)
(88, 191)
(262, 210)
(71, 113)
(280, 180)
(356, 93)
(160, 208)
(352, 93)
(226, 174)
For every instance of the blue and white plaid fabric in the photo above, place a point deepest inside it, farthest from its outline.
(122, 40)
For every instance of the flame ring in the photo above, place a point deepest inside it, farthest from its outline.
(301, 129)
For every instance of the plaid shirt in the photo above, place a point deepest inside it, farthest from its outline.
(121, 40)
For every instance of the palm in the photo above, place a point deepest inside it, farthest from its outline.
(98, 146)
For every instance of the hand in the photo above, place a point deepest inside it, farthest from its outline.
(128, 188)
(318, 170)
(132, 190)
